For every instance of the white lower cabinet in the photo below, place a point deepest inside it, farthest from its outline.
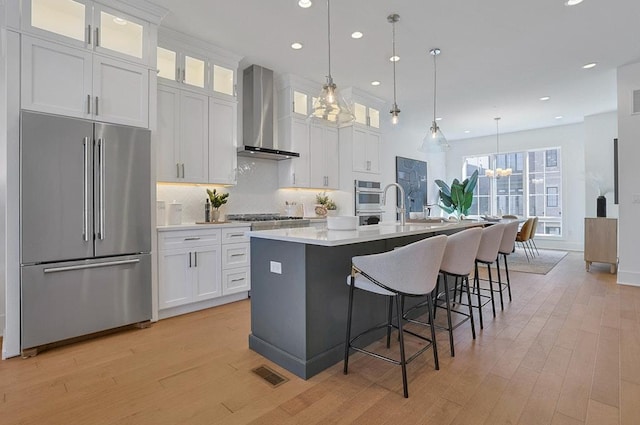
(199, 269)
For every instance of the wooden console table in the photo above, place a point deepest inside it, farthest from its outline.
(601, 241)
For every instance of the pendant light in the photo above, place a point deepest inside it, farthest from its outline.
(497, 172)
(434, 140)
(395, 111)
(330, 105)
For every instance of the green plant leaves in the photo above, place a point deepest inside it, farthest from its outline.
(459, 197)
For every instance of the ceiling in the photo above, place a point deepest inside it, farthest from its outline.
(498, 56)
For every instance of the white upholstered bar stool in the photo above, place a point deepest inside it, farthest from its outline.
(487, 255)
(458, 261)
(408, 271)
(507, 246)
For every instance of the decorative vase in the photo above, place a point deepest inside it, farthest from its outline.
(215, 215)
(321, 210)
(601, 206)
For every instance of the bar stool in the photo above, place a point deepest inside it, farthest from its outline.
(487, 255)
(458, 261)
(412, 271)
(507, 246)
(523, 236)
(532, 235)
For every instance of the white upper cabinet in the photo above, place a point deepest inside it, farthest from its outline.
(324, 153)
(196, 65)
(90, 25)
(294, 172)
(222, 141)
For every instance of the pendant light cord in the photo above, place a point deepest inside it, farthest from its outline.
(329, 34)
(435, 76)
(393, 48)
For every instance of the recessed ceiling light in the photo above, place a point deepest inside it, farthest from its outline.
(559, 117)
(467, 131)
(296, 46)
(356, 35)
(304, 3)
(545, 98)
(439, 119)
(572, 2)
(589, 65)
(375, 83)
(394, 58)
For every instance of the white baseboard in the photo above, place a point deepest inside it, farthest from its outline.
(190, 308)
(628, 278)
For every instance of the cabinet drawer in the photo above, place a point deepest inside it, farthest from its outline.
(235, 280)
(235, 255)
(188, 238)
(235, 234)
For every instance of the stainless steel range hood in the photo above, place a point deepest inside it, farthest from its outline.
(257, 116)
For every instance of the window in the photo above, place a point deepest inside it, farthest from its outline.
(534, 187)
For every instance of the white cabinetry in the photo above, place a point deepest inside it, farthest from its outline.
(201, 268)
(86, 60)
(197, 134)
(366, 150)
(183, 131)
(89, 25)
(315, 140)
(324, 154)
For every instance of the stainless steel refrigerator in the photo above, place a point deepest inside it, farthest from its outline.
(85, 227)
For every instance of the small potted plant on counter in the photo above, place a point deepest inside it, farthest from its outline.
(324, 205)
(217, 200)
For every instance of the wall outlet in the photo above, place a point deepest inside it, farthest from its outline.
(636, 198)
(275, 267)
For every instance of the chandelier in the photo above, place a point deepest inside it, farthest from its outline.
(497, 172)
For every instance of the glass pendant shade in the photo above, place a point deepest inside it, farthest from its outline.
(331, 106)
(395, 111)
(434, 141)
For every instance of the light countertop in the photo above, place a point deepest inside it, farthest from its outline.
(322, 236)
(193, 226)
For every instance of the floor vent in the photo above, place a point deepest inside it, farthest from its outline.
(269, 375)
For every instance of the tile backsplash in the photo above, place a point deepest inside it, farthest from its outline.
(256, 192)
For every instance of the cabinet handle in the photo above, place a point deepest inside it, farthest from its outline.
(97, 100)
(184, 75)
(183, 170)
(97, 37)
(195, 255)
(193, 238)
(189, 260)
(89, 34)
(240, 279)
(237, 255)
(177, 74)
(294, 178)
(236, 235)
(235, 90)
(88, 104)
(368, 165)
(177, 170)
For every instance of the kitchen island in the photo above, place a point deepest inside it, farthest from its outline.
(299, 294)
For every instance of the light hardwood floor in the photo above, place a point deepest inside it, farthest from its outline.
(565, 351)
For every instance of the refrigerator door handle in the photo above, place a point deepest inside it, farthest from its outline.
(91, 266)
(85, 192)
(101, 166)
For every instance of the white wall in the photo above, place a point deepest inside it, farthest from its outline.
(629, 174)
(599, 132)
(570, 138)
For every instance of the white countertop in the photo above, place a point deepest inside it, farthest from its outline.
(192, 226)
(322, 236)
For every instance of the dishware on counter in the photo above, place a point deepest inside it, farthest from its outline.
(175, 213)
(342, 222)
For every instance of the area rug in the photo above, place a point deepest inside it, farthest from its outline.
(539, 264)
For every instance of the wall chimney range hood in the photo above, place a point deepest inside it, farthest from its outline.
(257, 116)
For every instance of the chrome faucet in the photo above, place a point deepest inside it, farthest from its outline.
(400, 209)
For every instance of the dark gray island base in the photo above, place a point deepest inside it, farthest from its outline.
(298, 317)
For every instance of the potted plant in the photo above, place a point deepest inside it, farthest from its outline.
(458, 198)
(324, 205)
(217, 200)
